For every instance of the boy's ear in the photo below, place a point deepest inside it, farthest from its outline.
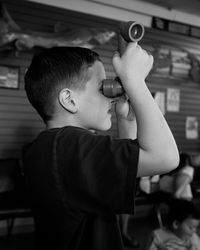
(67, 100)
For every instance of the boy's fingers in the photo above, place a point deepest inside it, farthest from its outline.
(116, 57)
(116, 53)
(133, 46)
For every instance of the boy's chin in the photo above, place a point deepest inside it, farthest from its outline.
(105, 127)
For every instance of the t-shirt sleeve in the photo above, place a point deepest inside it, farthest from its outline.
(99, 172)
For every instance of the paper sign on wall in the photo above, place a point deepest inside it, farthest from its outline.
(191, 127)
(173, 100)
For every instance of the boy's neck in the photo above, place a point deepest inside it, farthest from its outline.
(59, 123)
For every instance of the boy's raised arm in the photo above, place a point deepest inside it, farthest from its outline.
(158, 150)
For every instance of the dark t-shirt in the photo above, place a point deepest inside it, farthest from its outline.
(77, 183)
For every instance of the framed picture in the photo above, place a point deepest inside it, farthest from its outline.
(9, 77)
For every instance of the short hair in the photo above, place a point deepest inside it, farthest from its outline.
(181, 209)
(54, 69)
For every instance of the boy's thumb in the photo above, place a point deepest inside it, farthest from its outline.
(116, 57)
(116, 54)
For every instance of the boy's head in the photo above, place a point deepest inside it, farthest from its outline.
(183, 217)
(57, 80)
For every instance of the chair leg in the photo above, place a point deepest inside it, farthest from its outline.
(159, 217)
(10, 224)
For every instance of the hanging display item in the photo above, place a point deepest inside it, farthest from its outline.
(171, 60)
(191, 127)
(174, 62)
(13, 36)
(175, 27)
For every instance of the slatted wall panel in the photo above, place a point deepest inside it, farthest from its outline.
(189, 106)
(19, 123)
(189, 91)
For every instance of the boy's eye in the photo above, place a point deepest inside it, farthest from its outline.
(101, 89)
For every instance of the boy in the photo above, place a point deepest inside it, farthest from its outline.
(179, 232)
(78, 181)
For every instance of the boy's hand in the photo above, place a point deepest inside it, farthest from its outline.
(134, 65)
(126, 120)
(124, 109)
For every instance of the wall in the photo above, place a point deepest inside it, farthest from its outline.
(189, 90)
(19, 123)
